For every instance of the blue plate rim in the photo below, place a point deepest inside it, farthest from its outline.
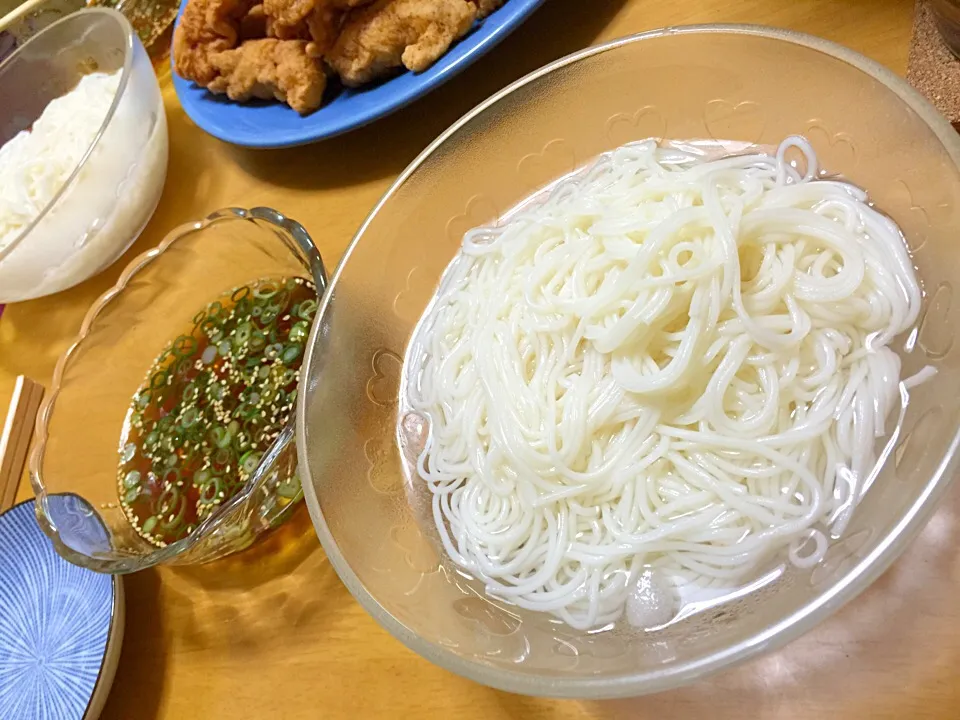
(114, 630)
(517, 12)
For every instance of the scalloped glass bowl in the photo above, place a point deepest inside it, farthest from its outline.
(724, 82)
(111, 194)
(73, 467)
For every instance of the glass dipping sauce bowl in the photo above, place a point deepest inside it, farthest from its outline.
(74, 466)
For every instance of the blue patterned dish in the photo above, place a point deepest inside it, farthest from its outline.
(272, 124)
(61, 627)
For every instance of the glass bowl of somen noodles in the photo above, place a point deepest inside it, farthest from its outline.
(645, 366)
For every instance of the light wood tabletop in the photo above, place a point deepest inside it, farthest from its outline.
(272, 633)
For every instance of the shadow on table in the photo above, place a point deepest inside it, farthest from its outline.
(227, 612)
(251, 599)
(274, 555)
(140, 673)
(383, 148)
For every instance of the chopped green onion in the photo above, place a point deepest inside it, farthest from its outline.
(265, 291)
(210, 491)
(242, 334)
(290, 487)
(257, 340)
(299, 332)
(184, 345)
(190, 392)
(220, 437)
(190, 417)
(268, 315)
(308, 308)
(158, 380)
(249, 462)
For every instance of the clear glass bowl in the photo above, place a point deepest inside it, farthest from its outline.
(108, 199)
(74, 465)
(743, 83)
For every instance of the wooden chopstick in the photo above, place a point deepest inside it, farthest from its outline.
(15, 440)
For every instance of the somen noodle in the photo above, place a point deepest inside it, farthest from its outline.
(667, 364)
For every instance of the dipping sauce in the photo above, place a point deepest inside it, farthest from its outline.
(211, 405)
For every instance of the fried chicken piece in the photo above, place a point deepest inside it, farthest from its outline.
(206, 28)
(323, 26)
(316, 20)
(254, 24)
(287, 17)
(391, 33)
(270, 68)
(485, 7)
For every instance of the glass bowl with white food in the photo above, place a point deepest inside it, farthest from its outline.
(671, 411)
(84, 152)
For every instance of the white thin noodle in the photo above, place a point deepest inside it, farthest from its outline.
(669, 362)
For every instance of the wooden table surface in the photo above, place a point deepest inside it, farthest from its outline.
(272, 633)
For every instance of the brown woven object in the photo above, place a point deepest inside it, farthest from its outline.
(932, 69)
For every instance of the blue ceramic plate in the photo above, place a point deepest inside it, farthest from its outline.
(272, 125)
(60, 627)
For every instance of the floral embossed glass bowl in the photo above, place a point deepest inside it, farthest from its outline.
(724, 82)
(74, 467)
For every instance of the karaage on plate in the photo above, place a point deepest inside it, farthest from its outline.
(269, 68)
(254, 24)
(318, 21)
(206, 28)
(283, 48)
(485, 7)
(391, 33)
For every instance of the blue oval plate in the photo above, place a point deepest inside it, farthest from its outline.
(61, 627)
(274, 125)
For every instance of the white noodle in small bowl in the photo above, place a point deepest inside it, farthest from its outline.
(84, 154)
